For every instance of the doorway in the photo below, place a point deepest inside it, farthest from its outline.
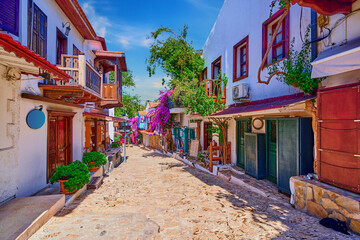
(59, 140)
(242, 127)
(207, 135)
(271, 159)
(61, 45)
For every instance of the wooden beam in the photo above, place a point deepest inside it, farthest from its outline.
(49, 100)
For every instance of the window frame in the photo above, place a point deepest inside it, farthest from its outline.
(65, 39)
(286, 35)
(76, 51)
(212, 67)
(244, 41)
(37, 31)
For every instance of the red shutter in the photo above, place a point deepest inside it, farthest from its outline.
(9, 16)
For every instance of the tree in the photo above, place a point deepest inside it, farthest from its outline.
(131, 105)
(127, 78)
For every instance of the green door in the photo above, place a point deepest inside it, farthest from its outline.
(271, 170)
(242, 127)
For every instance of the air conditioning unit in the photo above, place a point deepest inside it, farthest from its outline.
(240, 91)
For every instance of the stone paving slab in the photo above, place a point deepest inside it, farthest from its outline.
(163, 198)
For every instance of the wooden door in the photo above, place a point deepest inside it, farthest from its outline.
(242, 127)
(59, 141)
(271, 161)
(207, 135)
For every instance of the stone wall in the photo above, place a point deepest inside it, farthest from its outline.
(323, 200)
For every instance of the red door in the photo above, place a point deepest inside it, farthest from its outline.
(339, 134)
(59, 140)
(207, 135)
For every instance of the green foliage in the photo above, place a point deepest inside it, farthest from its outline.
(194, 97)
(296, 69)
(97, 158)
(127, 78)
(76, 173)
(280, 3)
(131, 105)
(115, 144)
(174, 55)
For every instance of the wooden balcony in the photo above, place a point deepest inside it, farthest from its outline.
(85, 85)
(112, 93)
(213, 89)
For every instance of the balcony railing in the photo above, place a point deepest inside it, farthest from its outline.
(82, 72)
(215, 89)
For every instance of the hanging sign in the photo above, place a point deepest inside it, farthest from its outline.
(35, 118)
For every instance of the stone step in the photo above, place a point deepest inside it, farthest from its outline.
(95, 182)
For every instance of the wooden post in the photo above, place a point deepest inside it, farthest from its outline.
(82, 70)
(211, 157)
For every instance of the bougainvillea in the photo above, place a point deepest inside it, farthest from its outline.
(160, 121)
(134, 122)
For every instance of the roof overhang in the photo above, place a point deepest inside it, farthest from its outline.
(327, 7)
(74, 12)
(15, 55)
(99, 116)
(109, 59)
(339, 59)
(177, 110)
(290, 105)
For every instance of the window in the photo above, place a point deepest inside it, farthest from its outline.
(241, 60)
(280, 47)
(61, 45)
(76, 51)
(37, 30)
(9, 16)
(215, 68)
(212, 87)
(204, 74)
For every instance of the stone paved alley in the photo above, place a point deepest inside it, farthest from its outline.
(156, 197)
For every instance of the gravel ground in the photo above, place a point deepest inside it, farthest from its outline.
(156, 197)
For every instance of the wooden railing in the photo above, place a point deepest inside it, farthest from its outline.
(218, 151)
(109, 91)
(214, 90)
(82, 72)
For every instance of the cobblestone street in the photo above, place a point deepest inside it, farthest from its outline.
(156, 197)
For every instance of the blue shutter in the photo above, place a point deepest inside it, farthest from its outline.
(9, 16)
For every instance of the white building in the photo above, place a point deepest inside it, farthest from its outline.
(72, 72)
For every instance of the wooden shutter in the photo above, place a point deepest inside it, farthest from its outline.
(255, 157)
(39, 31)
(9, 16)
(30, 15)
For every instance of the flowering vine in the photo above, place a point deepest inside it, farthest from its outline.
(134, 123)
(161, 121)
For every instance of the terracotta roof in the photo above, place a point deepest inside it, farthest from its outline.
(154, 104)
(142, 112)
(265, 104)
(10, 45)
(110, 58)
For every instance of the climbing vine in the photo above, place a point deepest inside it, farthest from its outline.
(296, 69)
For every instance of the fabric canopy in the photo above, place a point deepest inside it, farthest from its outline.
(339, 59)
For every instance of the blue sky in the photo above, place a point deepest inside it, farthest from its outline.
(125, 24)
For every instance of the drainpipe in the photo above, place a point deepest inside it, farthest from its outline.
(314, 34)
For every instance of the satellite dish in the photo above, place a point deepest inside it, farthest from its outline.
(35, 118)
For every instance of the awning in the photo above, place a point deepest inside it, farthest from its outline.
(339, 59)
(284, 105)
(146, 132)
(13, 54)
(103, 117)
(109, 58)
(327, 7)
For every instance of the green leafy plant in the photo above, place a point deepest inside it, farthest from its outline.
(77, 174)
(94, 159)
(296, 69)
(115, 144)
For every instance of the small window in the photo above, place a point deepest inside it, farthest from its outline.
(241, 60)
(9, 16)
(280, 47)
(216, 68)
(204, 74)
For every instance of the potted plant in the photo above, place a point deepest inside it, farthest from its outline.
(71, 177)
(94, 160)
(115, 144)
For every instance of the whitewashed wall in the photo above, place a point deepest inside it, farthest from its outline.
(238, 19)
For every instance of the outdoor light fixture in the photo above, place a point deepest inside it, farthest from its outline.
(68, 28)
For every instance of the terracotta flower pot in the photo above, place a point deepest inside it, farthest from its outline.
(63, 190)
(93, 169)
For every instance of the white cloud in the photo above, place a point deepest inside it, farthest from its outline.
(132, 36)
(157, 85)
(99, 23)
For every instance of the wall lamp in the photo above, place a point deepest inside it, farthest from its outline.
(68, 28)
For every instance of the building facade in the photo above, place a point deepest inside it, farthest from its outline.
(53, 64)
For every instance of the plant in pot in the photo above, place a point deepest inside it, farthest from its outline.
(71, 177)
(94, 160)
(115, 144)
